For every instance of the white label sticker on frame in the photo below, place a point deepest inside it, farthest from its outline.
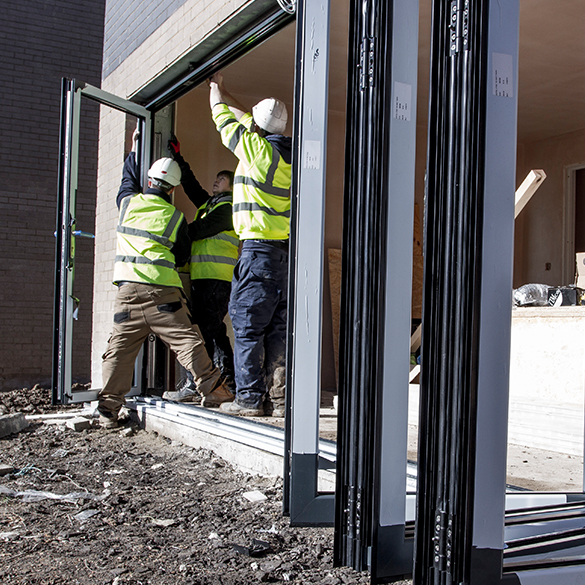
(312, 155)
(503, 74)
(402, 101)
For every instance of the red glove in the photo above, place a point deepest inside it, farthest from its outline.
(174, 145)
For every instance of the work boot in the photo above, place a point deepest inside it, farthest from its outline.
(235, 408)
(275, 400)
(108, 420)
(220, 395)
(108, 423)
(277, 410)
(186, 392)
(274, 407)
(230, 382)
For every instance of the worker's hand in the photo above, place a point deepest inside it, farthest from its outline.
(217, 77)
(174, 145)
(135, 139)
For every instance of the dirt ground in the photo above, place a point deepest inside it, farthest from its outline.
(97, 507)
(130, 507)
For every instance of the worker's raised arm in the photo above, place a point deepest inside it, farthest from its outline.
(130, 184)
(193, 189)
(218, 94)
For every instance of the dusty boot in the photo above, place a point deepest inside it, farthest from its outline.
(278, 408)
(108, 420)
(219, 395)
(235, 408)
(186, 392)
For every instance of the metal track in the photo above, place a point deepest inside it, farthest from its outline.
(252, 433)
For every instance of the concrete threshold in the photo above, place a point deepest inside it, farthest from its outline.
(252, 446)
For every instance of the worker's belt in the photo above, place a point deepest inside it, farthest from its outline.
(280, 244)
(123, 282)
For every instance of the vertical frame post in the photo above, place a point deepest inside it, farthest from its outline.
(65, 240)
(467, 293)
(306, 506)
(376, 290)
(392, 552)
(491, 435)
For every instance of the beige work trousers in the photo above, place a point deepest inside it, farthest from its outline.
(139, 310)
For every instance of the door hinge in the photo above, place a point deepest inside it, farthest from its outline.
(443, 541)
(459, 27)
(354, 512)
(367, 62)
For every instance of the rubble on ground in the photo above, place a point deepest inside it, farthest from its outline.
(126, 506)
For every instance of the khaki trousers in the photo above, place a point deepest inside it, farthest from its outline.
(139, 310)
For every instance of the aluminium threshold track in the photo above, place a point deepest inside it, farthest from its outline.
(251, 445)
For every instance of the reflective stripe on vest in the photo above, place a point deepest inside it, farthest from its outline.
(216, 256)
(262, 179)
(146, 232)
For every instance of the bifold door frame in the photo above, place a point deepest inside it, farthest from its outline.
(72, 94)
(371, 509)
(469, 226)
(260, 22)
(392, 546)
(306, 505)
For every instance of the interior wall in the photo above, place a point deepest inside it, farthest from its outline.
(539, 233)
(200, 144)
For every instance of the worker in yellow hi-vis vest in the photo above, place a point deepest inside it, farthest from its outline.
(214, 253)
(152, 239)
(261, 214)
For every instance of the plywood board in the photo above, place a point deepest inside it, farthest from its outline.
(334, 258)
(417, 266)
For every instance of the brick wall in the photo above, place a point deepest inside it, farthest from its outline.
(128, 24)
(42, 41)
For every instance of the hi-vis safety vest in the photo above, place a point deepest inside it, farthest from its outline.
(262, 180)
(147, 230)
(216, 256)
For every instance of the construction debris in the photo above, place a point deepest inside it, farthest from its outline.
(79, 424)
(12, 423)
(254, 496)
(258, 548)
(138, 509)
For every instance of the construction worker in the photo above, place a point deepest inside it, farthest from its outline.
(152, 239)
(214, 253)
(261, 213)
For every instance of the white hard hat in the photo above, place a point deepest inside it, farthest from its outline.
(270, 114)
(166, 170)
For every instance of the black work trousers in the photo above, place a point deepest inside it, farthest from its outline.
(209, 306)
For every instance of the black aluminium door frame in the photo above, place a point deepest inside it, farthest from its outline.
(72, 94)
(467, 300)
(371, 500)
